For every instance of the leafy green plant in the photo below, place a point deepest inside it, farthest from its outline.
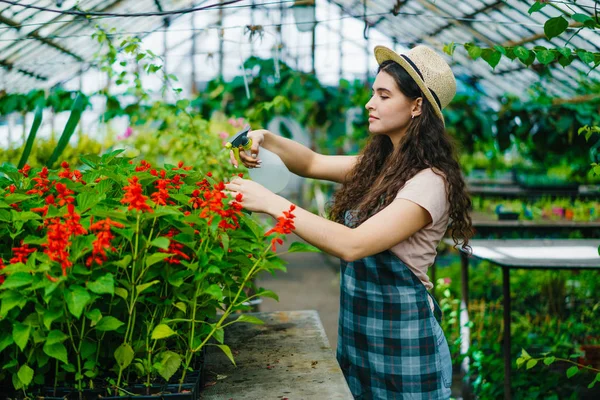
(117, 273)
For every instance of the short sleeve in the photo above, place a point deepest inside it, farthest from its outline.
(428, 190)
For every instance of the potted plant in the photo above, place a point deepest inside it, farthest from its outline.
(114, 278)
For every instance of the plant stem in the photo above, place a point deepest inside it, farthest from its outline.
(133, 296)
(239, 292)
(74, 347)
(189, 353)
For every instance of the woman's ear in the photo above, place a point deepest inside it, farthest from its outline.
(417, 106)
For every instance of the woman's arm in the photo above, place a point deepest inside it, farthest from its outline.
(395, 223)
(301, 160)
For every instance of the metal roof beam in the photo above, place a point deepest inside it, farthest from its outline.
(535, 37)
(36, 36)
(9, 67)
(471, 15)
(467, 26)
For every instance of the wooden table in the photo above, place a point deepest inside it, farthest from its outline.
(287, 357)
(526, 254)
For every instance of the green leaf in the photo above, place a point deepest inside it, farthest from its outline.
(108, 323)
(77, 298)
(56, 336)
(124, 355)
(6, 341)
(219, 335)
(269, 294)
(161, 242)
(37, 121)
(525, 354)
(250, 319)
(123, 293)
(25, 374)
(181, 306)
(537, 6)
(564, 51)
(545, 56)
(103, 285)
(549, 360)
(10, 300)
(555, 26)
(531, 363)
(449, 48)
(474, 51)
(87, 200)
(168, 365)
(21, 334)
(298, 247)
(17, 279)
(521, 52)
(492, 57)
(585, 56)
(214, 291)
(581, 18)
(57, 350)
(162, 331)
(572, 371)
(156, 257)
(227, 351)
(74, 117)
(52, 315)
(94, 316)
(140, 288)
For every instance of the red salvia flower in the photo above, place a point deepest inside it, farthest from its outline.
(66, 172)
(285, 226)
(175, 248)
(2, 266)
(72, 222)
(134, 196)
(180, 166)
(162, 194)
(21, 254)
(58, 241)
(144, 166)
(11, 189)
(103, 240)
(44, 210)
(64, 194)
(42, 184)
(25, 170)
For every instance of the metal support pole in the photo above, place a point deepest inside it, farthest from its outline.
(506, 336)
(221, 38)
(194, 85)
(341, 44)
(465, 331)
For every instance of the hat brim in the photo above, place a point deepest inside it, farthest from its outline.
(382, 54)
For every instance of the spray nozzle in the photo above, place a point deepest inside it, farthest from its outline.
(240, 139)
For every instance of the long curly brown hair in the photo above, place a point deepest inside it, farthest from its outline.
(381, 172)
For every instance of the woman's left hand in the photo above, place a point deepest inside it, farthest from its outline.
(255, 197)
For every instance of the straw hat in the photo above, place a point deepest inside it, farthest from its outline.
(431, 72)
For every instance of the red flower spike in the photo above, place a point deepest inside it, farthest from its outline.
(103, 241)
(134, 196)
(42, 184)
(144, 166)
(12, 188)
(209, 174)
(2, 266)
(25, 170)
(21, 254)
(285, 226)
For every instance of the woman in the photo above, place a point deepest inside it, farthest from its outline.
(397, 198)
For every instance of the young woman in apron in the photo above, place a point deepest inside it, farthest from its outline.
(398, 197)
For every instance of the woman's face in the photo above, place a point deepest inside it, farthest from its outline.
(389, 109)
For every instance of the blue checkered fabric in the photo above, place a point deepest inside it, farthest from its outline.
(390, 343)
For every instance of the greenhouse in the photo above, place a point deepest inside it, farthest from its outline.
(299, 199)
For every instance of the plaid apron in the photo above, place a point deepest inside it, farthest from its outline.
(390, 343)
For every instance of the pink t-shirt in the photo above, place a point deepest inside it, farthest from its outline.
(428, 190)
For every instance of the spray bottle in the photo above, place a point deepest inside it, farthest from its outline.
(273, 174)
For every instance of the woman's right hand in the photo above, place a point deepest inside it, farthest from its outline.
(252, 160)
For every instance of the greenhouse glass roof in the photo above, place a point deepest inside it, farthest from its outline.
(40, 48)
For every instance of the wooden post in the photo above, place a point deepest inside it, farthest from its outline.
(221, 37)
(194, 86)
